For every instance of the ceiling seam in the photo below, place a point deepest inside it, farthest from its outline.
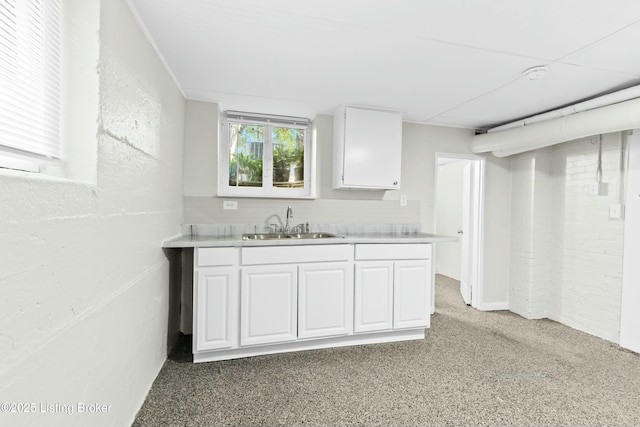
(595, 42)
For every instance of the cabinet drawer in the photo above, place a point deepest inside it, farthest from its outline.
(213, 257)
(296, 254)
(393, 251)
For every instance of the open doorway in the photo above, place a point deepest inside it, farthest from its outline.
(458, 211)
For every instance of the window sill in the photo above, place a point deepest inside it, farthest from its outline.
(41, 173)
(265, 196)
(19, 165)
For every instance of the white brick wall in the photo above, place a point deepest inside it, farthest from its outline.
(566, 254)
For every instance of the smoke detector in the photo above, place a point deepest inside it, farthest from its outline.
(535, 73)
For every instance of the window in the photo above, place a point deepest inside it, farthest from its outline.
(265, 156)
(29, 81)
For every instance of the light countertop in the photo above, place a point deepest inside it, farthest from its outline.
(192, 241)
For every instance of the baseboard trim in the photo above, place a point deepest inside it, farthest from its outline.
(311, 344)
(494, 306)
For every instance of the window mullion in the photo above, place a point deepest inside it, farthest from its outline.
(223, 174)
(267, 169)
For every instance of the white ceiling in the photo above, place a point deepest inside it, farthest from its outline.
(443, 62)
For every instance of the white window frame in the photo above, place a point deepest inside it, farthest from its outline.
(30, 124)
(267, 189)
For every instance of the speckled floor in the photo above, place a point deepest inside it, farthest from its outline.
(473, 369)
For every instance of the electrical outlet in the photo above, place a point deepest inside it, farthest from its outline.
(615, 211)
(230, 205)
(403, 200)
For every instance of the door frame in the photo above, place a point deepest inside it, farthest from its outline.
(476, 239)
(630, 298)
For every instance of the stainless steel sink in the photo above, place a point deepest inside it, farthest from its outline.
(284, 236)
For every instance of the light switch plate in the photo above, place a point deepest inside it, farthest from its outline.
(403, 200)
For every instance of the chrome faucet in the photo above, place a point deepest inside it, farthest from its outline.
(287, 227)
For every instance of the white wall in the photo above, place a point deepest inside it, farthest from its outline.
(420, 143)
(341, 206)
(449, 217)
(83, 278)
(201, 135)
(566, 252)
(497, 234)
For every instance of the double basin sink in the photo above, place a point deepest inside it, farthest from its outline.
(285, 236)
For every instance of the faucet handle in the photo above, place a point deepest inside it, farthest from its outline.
(302, 228)
(274, 228)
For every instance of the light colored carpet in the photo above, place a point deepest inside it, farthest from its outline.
(473, 369)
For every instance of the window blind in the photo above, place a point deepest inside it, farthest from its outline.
(266, 118)
(30, 76)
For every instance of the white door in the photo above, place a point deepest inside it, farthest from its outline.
(216, 302)
(268, 304)
(465, 233)
(373, 296)
(411, 294)
(325, 299)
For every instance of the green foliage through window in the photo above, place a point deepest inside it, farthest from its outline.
(265, 156)
(246, 155)
(288, 157)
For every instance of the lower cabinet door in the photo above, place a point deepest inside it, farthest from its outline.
(216, 303)
(325, 299)
(268, 304)
(373, 296)
(412, 295)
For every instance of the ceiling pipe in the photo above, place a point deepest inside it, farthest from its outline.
(588, 122)
(600, 101)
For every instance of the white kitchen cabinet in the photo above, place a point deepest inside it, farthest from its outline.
(373, 308)
(216, 299)
(392, 286)
(411, 294)
(270, 299)
(367, 149)
(325, 299)
(268, 304)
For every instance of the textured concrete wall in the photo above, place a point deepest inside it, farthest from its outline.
(83, 280)
(566, 258)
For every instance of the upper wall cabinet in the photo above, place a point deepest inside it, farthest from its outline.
(367, 148)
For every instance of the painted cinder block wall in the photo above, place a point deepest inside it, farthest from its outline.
(566, 253)
(84, 283)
